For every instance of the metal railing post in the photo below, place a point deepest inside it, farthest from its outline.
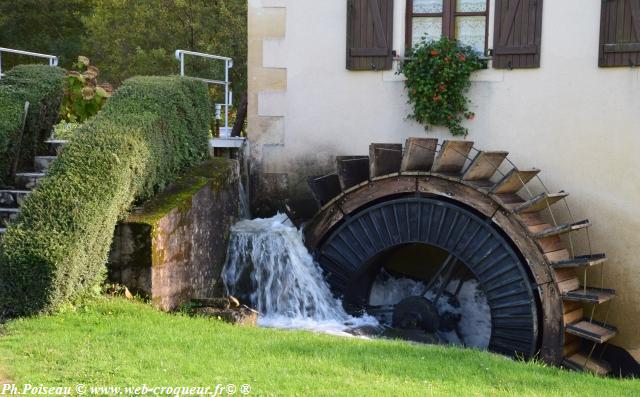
(228, 95)
(53, 60)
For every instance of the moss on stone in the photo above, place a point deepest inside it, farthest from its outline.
(215, 173)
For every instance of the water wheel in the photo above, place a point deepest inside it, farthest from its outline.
(479, 214)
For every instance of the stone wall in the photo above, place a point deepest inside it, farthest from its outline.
(173, 248)
(269, 184)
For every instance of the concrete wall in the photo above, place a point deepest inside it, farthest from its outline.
(575, 121)
(174, 247)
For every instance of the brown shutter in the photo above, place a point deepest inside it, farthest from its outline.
(517, 34)
(369, 34)
(620, 33)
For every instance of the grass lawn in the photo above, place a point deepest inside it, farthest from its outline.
(114, 342)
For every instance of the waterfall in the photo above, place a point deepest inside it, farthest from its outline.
(269, 266)
(245, 210)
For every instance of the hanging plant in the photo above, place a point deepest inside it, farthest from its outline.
(438, 77)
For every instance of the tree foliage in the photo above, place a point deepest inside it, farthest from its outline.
(125, 38)
(49, 26)
(128, 38)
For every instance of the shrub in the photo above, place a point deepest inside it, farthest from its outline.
(83, 96)
(11, 116)
(438, 75)
(65, 131)
(150, 130)
(42, 86)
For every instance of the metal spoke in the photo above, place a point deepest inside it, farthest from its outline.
(458, 287)
(447, 280)
(435, 277)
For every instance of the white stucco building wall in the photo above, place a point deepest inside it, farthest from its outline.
(577, 122)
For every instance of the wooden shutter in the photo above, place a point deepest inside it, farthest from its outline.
(517, 34)
(620, 33)
(369, 34)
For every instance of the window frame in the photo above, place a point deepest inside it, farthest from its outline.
(448, 15)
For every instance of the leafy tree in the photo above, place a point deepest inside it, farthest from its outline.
(126, 38)
(48, 26)
(139, 37)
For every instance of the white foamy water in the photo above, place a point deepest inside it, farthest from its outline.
(269, 266)
(472, 307)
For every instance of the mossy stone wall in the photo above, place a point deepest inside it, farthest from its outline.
(173, 248)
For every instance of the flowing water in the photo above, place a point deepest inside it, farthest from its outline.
(269, 266)
(470, 307)
(244, 210)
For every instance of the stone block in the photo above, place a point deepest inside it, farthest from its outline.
(173, 248)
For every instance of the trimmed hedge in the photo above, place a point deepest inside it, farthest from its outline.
(11, 113)
(147, 134)
(43, 87)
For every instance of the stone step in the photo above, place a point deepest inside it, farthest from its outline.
(28, 180)
(8, 215)
(12, 198)
(55, 145)
(42, 163)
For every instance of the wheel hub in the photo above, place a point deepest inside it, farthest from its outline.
(416, 312)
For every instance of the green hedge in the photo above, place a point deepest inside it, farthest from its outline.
(11, 114)
(43, 87)
(149, 131)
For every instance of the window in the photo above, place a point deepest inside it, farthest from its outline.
(464, 20)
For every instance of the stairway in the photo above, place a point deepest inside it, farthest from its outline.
(12, 197)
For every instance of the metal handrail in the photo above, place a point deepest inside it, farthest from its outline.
(53, 60)
(228, 94)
